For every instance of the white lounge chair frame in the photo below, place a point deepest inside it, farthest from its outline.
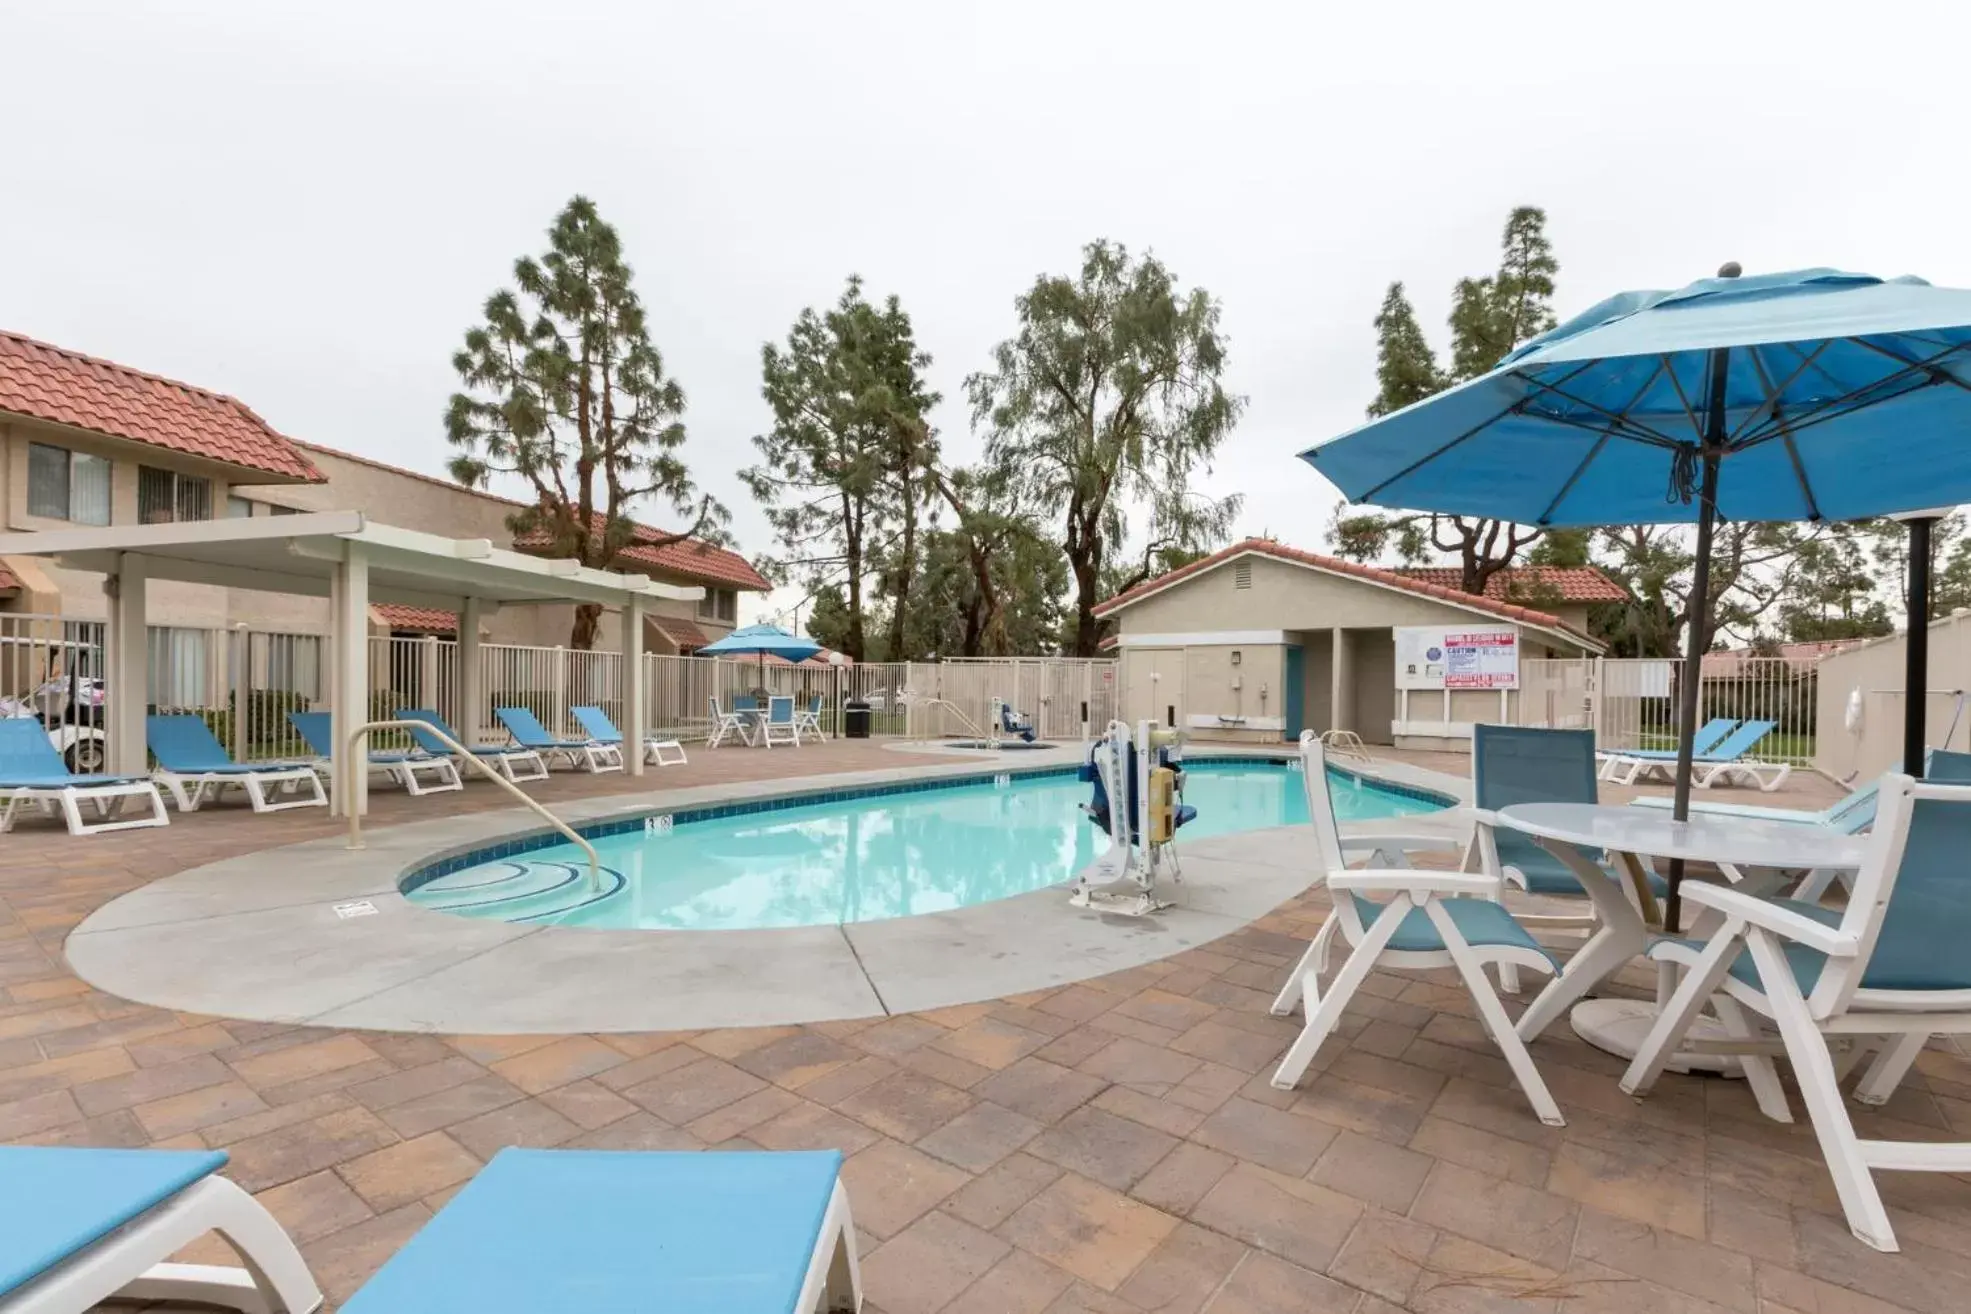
(191, 789)
(664, 752)
(130, 1263)
(67, 800)
(594, 757)
(788, 731)
(1409, 888)
(833, 1284)
(728, 723)
(1838, 1007)
(406, 770)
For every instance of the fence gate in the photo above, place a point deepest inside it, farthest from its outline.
(1558, 693)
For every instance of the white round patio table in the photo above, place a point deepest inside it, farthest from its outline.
(1753, 849)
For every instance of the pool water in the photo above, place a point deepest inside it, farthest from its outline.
(865, 859)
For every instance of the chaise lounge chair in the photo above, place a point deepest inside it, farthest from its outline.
(507, 758)
(588, 754)
(403, 767)
(1623, 766)
(32, 772)
(535, 1230)
(1725, 762)
(658, 752)
(193, 765)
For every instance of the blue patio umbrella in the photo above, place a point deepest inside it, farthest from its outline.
(762, 641)
(1810, 395)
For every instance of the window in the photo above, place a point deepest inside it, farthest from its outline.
(282, 510)
(238, 508)
(65, 485)
(177, 671)
(719, 604)
(165, 496)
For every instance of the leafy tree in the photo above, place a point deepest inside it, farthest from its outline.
(1834, 593)
(848, 452)
(1489, 317)
(1109, 394)
(564, 388)
(1753, 567)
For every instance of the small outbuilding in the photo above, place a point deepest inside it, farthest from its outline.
(1260, 641)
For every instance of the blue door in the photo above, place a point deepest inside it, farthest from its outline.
(1296, 687)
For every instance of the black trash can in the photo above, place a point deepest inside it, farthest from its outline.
(855, 719)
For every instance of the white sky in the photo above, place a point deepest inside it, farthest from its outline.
(307, 209)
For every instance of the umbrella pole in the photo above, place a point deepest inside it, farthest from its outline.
(1916, 675)
(1696, 640)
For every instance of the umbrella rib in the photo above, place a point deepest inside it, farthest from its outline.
(1792, 448)
(1546, 516)
(1913, 375)
(1416, 465)
(1617, 420)
(1772, 401)
(1683, 398)
(1927, 366)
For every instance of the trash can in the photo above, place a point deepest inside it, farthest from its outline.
(855, 719)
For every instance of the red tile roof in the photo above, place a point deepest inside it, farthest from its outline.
(9, 581)
(679, 631)
(1267, 547)
(431, 620)
(50, 383)
(1573, 584)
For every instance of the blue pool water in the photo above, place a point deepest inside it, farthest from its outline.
(863, 859)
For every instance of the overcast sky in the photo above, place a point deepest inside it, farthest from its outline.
(306, 210)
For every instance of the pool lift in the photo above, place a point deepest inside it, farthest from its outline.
(1138, 799)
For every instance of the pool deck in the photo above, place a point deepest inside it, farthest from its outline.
(1106, 1147)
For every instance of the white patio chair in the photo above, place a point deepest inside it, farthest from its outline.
(1892, 963)
(1424, 925)
(780, 723)
(808, 719)
(726, 723)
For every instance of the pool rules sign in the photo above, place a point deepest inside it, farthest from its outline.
(1432, 657)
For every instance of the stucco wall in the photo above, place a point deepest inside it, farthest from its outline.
(1876, 668)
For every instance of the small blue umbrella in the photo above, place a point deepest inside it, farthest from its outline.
(1811, 395)
(762, 641)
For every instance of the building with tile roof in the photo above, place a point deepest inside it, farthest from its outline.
(86, 442)
(1259, 641)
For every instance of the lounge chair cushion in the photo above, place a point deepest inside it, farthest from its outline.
(1481, 922)
(686, 1233)
(60, 1200)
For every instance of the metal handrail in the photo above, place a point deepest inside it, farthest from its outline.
(358, 758)
(956, 711)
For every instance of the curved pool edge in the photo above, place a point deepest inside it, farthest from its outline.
(231, 940)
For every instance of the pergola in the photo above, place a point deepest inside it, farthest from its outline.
(342, 556)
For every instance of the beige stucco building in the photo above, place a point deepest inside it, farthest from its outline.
(86, 442)
(1259, 641)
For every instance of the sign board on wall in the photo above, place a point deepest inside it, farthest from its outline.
(1435, 657)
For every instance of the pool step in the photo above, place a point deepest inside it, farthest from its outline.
(520, 890)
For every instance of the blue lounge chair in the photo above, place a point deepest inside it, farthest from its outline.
(1725, 762)
(535, 1230)
(507, 759)
(32, 772)
(779, 723)
(601, 730)
(405, 768)
(1520, 764)
(1629, 762)
(80, 1227)
(1012, 724)
(589, 754)
(1891, 963)
(194, 766)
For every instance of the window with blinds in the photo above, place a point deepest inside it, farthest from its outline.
(165, 496)
(66, 485)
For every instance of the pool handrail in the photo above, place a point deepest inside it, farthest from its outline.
(956, 711)
(356, 754)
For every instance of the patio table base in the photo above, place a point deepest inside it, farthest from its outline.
(1618, 1026)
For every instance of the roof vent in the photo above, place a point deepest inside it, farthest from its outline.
(1242, 575)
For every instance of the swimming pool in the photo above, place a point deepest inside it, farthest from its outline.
(928, 847)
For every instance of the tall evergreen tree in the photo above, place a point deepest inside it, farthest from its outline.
(1109, 394)
(564, 388)
(1489, 317)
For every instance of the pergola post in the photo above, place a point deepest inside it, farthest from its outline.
(472, 673)
(634, 711)
(127, 640)
(1341, 683)
(349, 694)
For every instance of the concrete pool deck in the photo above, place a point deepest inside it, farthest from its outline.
(318, 934)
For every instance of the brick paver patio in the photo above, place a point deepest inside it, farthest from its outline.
(1109, 1147)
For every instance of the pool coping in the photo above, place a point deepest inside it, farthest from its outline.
(331, 941)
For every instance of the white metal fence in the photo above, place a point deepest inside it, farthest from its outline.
(245, 682)
(1632, 702)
